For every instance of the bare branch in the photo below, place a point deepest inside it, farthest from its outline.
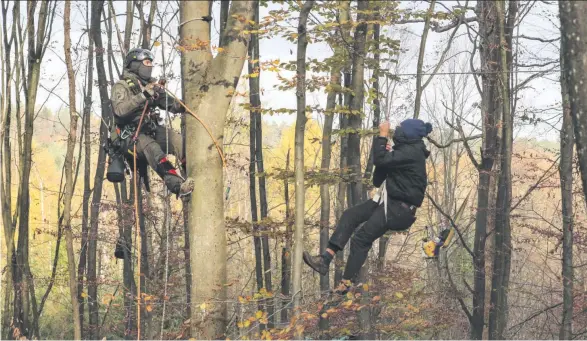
(455, 23)
(438, 145)
(452, 223)
(533, 187)
(557, 61)
(459, 128)
(532, 77)
(543, 40)
(458, 297)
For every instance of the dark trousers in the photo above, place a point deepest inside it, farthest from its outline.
(152, 148)
(399, 217)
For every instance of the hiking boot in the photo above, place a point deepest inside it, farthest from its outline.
(317, 263)
(186, 187)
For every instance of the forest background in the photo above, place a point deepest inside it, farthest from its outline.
(315, 79)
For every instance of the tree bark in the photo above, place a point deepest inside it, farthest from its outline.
(128, 26)
(24, 287)
(5, 168)
(93, 324)
(147, 25)
(209, 85)
(224, 6)
(286, 251)
(77, 332)
(254, 85)
(344, 101)
(574, 36)
(81, 269)
(566, 180)
(325, 166)
(498, 311)
(355, 118)
(421, 54)
(489, 43)
(299, 159)
(254, 101)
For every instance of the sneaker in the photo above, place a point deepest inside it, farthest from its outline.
(187, 187)
(316, 262)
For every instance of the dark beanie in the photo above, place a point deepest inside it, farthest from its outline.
(415, 129)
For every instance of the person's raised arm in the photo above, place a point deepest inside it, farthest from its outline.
(381, 156)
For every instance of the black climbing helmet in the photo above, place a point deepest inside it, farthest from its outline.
(138, 54)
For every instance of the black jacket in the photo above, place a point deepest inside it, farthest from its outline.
(404, 168)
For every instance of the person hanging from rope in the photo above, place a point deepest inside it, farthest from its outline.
(138, 96)
(401, 175)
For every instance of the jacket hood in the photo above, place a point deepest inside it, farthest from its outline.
(400, 138)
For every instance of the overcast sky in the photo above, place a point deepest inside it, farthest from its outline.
(541, 21)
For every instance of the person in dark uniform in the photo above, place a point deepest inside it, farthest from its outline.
(401, 175)
(129, 95)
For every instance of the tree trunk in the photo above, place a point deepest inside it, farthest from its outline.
(21, 276)
(421, 54)
(341, 194)
(344, 101)
(81, 269)
(147, 25)
(324, 168)
(77, 332)
(502, 260)
(128, 26)
(355, 118)
(224, 6)
(324, 187)
(258, 157)
(254, 101)
(5, 168)
(566, 180)
(574, 35)
(286, 252)
(489, 43)
(299, 159)
(209, 84)
(93, 325)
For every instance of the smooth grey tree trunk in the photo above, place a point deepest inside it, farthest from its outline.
(299, 160)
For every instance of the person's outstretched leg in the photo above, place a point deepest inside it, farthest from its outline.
(150, 150)
(399, 218)
(362, 241)
(349, 221)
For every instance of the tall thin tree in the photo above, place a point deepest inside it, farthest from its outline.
(77, 332)
(299, 158)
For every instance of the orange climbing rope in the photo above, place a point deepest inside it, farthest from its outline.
(188, 110)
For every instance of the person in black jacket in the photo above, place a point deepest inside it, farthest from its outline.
(401, 174)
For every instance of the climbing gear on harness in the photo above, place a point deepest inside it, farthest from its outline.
(117, 164)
